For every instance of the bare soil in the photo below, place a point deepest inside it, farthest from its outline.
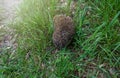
(7, 14)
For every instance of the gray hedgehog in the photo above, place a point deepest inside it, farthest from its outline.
(64, 30)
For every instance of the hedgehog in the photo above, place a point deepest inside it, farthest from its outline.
(64, 31)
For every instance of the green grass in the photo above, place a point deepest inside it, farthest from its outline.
(96, 44)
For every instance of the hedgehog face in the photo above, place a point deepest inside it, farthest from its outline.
(58, 20)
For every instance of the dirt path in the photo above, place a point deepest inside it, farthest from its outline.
(7, 14)
(8, 9)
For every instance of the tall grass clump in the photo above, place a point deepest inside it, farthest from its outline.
(98, 34)
(35, 23)
(34, 29)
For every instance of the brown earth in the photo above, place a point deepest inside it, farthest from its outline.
(7, 14)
